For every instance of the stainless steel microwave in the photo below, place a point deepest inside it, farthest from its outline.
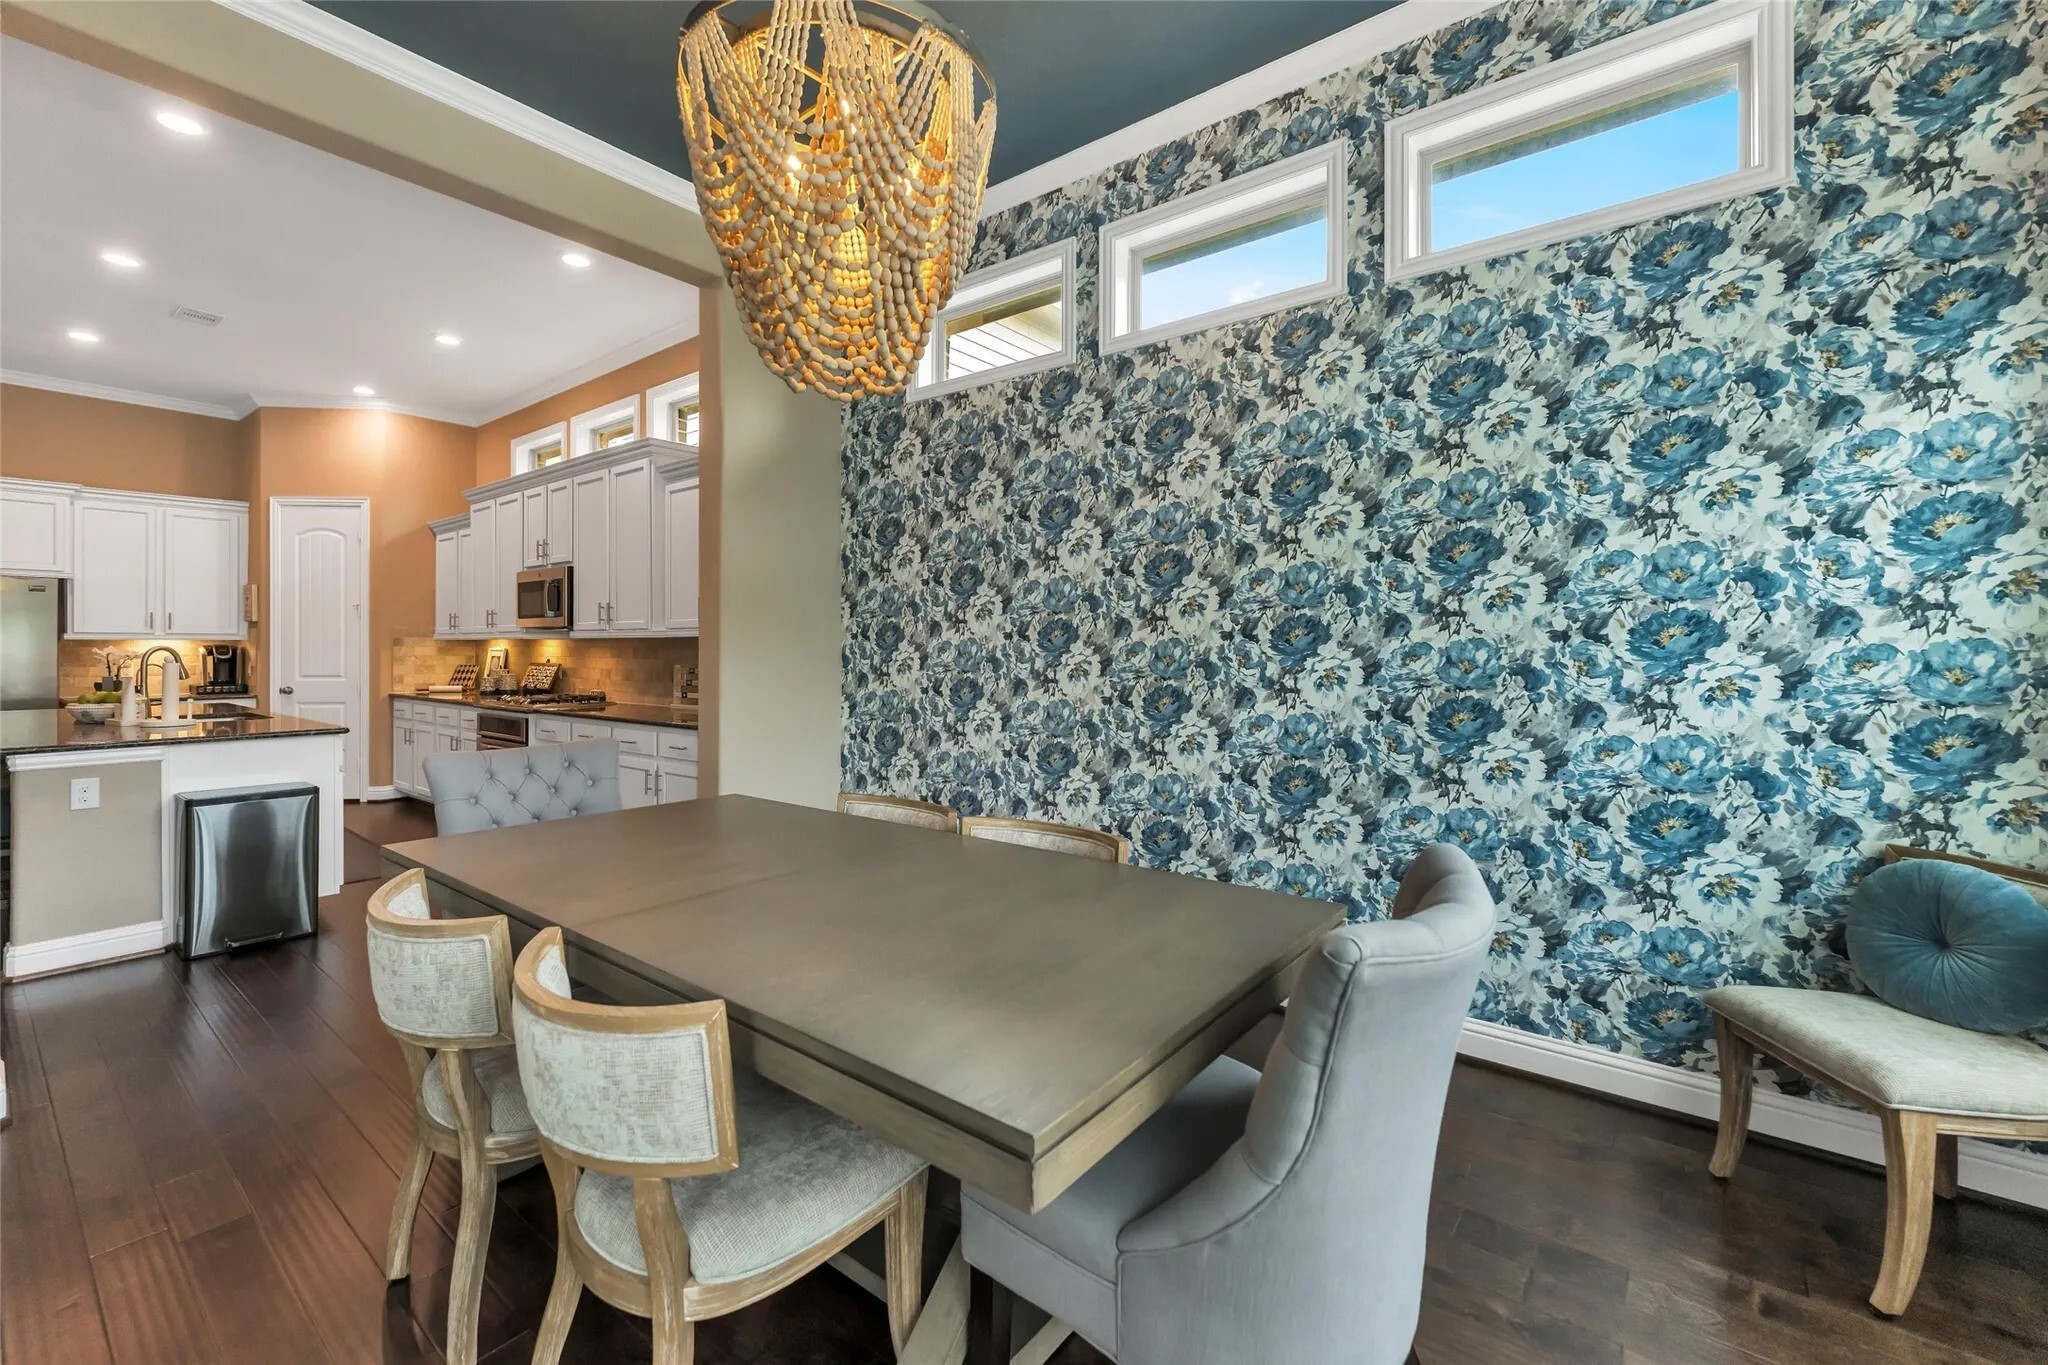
(543, 598)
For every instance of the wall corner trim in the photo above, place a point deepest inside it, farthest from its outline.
(359, 47)
(80, 389)
(2001, 1171)
(81, 950)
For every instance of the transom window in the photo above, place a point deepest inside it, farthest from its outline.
(674, 412)
(1002, 321)
(1269, 239)
(539, 449)
(1683, 114)
(600, 428)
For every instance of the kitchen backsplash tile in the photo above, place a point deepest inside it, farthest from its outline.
(624, 670)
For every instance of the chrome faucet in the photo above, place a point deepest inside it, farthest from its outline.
(142, 669)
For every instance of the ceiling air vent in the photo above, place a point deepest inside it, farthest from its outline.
(198, 315)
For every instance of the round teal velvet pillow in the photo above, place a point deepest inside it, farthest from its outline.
(1952, 942)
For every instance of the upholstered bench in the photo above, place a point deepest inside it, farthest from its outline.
(1944, 937)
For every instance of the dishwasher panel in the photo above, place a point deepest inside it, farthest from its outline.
(246, 866)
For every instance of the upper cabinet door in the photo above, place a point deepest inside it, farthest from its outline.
(679, 556)
(116, 543)
(480, 600)
(632, 549)
(515, 549)
(469, 574)
(35, 529)
(591, 582)
(447, 582)
(533, 519)
(560, 536)
(204, 554)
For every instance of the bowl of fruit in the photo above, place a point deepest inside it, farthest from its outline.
(94, 708)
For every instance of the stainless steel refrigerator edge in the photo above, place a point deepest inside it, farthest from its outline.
(28, 644)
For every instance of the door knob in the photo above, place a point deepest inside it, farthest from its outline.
(284, 691)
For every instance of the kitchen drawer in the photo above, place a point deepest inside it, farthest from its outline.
(546, 731)
(468, 721)
(679, 744)
(634, 739)
(447, 717)
(401, 710)
(584, 729)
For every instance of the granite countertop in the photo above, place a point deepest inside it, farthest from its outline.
(616, 712)
(30, 732)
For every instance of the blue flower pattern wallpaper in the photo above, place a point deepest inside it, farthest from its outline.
(1671, 572)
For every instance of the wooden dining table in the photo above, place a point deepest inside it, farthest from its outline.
(1008, 1014)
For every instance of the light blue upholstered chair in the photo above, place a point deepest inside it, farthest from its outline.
(685, 1190)
(1276, 1216)
(444, 988)
(495, 787)
(1956, 955)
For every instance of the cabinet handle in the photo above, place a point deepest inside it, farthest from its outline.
(152, 621)
(170, 617)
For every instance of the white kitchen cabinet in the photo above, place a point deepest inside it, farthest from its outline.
(147, 567)
(447, 582)
(614, 537)
(679, 506)
(558, 538)
(204, 557)
(674, 780)
(405, 750)
(480, 617)
(509, 560)
(35, 527)
(533, 524)
(636, 780)
(473, 568)
(547, 730)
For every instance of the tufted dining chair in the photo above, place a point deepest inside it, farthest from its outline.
(1054, 838)
(496, 787)
(1275, 1216)
(443, 987)
(685, 1190)
(900, 810)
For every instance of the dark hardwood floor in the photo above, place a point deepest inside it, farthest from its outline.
(202, 1160)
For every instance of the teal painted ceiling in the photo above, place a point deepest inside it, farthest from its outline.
(1066, 71)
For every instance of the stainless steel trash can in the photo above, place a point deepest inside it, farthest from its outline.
(246, 866)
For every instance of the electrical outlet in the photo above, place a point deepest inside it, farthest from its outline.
(85, 793)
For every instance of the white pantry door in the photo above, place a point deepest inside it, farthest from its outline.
(319, 621)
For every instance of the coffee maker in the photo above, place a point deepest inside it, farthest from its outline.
(223, 671)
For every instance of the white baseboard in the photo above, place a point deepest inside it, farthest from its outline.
(83, 950)
(386, 793)
(2000, 1171)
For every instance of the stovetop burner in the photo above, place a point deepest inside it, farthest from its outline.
(553, 701)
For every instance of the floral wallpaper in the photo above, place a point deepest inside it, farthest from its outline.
(1671, 572)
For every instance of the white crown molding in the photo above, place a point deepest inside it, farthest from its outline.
(455, 416)
(79, 388)
(589, 370)
(1388, 29)
(1992, 1169)
(359, 47)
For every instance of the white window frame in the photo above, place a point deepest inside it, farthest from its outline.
(991, 285)
(583, 427)
(523, 447)
(1754, 35)
(664, 399)
(1317, 174)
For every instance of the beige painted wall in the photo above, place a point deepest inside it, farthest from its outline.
(494, 439)
(412, 470)
(64, 881)
(64, 437)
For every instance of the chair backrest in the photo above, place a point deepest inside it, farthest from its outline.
(900, 810)
(439, 983)
(637, 1090)
(1075, 839)
(494, 787)
(1305, 1240)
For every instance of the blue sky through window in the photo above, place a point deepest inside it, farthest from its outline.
(1248, 265)
(1663, 151)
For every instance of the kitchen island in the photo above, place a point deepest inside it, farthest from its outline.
(92, 866)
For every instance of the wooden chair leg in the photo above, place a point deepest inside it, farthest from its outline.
(668, 1270)
(472, 1238)
(1945, 1165)
(903, 1252)
(405, 1211)
(1910, 1140)
(567, 1290)
(1738, 1084)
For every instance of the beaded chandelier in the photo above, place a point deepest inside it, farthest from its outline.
(839, 164)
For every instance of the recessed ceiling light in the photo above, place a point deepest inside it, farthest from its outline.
(575, 260)
(84, 336)
(365, 391)
(448, 338)
(121, 260)
(182, 124)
